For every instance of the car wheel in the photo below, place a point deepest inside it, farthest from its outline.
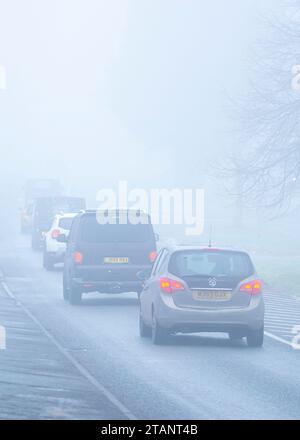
(159, 334)
(48, 262)
(255, 338)
(75, 296)
(145, 330)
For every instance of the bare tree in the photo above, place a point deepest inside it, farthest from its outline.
(267, 165)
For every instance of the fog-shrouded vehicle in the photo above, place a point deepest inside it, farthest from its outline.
(26, 217)
(193, 289)
(33, 189)
(45, 208)
(106, 258)
(54, 251)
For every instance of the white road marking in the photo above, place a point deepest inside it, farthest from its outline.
(277, 338)
(2, 338)
(280, 326)
(275, 318)
(281, 311)
(282, 317)
(82, 370)
(3, 79)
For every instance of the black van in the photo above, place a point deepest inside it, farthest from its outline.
(106, 258)
(45, 208)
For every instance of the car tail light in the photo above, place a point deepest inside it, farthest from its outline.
(152, 256)
(55, 233)
(170, 286)
(78, 257)
(253, 287)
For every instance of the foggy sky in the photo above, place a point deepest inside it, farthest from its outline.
(122, 89)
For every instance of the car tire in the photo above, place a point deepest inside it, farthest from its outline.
(75, 296)
(159, 334)
(48, 262)
(255, 338)
(145, 330)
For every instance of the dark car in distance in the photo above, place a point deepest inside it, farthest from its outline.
(106, 258)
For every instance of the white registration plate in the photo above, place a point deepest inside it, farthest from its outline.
(212, 295)
(116, 260)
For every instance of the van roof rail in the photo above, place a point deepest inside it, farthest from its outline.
(121, 211)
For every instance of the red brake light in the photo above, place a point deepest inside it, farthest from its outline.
(169, 286)
(78, 258)
(152, 256)
(253, 287)
(55, 233)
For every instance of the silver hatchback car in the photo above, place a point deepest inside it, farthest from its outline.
(194, 289)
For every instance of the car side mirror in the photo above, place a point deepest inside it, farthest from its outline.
(143, 275)
(62, 238)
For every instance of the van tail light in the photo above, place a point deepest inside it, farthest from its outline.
(78, 257)
(253, 287)
(152, 256)
(55, 233)
(170, 286)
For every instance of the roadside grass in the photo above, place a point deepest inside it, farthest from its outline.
(275, 252)
(280, 272)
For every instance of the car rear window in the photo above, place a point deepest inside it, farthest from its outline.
(68, 205)
(53, 206)
(65, 223)
(211, 263)
(93, 232)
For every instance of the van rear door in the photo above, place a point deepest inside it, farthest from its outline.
(116, 250)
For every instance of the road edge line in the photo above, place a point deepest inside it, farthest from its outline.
(278, 339)
(82, 370)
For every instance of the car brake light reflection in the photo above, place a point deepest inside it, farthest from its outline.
(170, 286)
(253, 287)
(152, 256)
(78, 257)
(55, 233)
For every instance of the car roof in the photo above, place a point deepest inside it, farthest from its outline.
(114, 212)
(117, 210)
(66, 215)
(178, 248)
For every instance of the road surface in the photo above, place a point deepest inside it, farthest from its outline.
(104, 370)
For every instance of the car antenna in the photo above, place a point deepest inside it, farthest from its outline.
(210, 236)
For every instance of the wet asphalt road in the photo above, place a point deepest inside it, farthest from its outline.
(193, 377)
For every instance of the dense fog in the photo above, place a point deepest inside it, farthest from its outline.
(99, 92)
(149, 189)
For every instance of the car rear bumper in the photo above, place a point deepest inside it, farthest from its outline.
(211, 320)
(108, 286)
(109, 279)
(55, 248)
(57, 257)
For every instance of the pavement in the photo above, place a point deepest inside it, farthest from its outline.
(36, 380)
(89, 361)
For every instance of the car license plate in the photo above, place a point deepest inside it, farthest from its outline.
(212, 295)
(116, 260)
